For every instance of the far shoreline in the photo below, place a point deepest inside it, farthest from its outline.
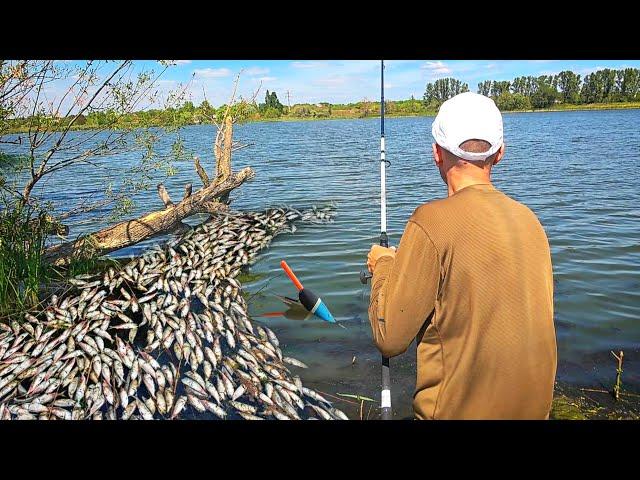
(569, 108)
(579, 108)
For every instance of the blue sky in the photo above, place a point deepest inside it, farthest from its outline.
(344, 81)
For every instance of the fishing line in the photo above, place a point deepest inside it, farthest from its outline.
(265, 285)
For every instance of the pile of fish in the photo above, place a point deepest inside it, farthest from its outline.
(165, 337)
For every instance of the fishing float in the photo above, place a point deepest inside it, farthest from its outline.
(309, 300)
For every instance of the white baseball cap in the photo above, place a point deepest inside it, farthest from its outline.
(468, 116)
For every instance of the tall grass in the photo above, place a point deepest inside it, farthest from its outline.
(23, 233)
(24, 274)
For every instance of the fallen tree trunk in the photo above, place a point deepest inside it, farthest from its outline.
(130, 232)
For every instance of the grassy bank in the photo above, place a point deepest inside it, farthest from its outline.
(561, 107)
(433, 112)
(574, 403)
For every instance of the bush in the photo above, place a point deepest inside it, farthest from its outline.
(513, 101)
(545, 97)
(300, 111)
(270, 112)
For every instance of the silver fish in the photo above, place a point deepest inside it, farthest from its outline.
(179, 406)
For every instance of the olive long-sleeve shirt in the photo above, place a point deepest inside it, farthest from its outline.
(472, 282)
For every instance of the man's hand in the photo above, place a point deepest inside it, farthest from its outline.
(376, 253)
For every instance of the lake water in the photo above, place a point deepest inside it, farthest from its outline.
(578, 171)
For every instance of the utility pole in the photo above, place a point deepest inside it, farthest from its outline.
(289, 101)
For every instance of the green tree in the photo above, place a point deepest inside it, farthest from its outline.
(443, 89)
(628, 83)
(569, 85)
(484, 88)
(545, 96)
(608, 84)
(205, 110)
(271, 102)
(526, 86)
(517, 85)
(592, 89)
(498, 88)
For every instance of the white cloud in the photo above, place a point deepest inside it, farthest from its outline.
(308, 64)
(255, 71)
(212, 72)
(437, 68)
(331, 81)
(267, 79)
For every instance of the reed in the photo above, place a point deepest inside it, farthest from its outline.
(617, 387)
(23, 234)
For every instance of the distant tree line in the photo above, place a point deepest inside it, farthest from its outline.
(521, 93)
(443, 89)
(529, 92)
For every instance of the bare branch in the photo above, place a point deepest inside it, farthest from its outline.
(37, 175)
(223, 164)
(201, 171)
(187, 191)
(164, 196)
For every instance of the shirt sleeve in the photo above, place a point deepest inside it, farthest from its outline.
(404, 291)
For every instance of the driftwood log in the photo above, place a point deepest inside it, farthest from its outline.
(213, 197)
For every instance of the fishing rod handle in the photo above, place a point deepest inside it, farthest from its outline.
(384, 240)
(291, 275)
(365, 275)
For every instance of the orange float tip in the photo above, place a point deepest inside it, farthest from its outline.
(291, 275)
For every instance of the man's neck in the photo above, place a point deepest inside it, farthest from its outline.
(456, 183)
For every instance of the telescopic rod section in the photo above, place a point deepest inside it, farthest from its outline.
(385, 400)
(385, 397)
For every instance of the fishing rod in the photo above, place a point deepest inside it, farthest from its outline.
(385, 394)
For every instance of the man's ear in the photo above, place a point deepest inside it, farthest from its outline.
(437, 158)
(499, 155)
